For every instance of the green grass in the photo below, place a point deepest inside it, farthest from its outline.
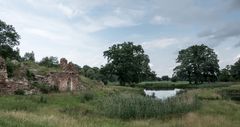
(181, 85)
(69, 109)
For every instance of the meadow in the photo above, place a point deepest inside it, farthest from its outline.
(118, 106)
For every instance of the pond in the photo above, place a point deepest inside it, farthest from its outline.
(162, 94)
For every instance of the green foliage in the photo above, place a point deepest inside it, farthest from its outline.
(19, 92)
(174, 79)
(138, 107)
(225, 74)
(49, 61)
(165, 78)
(11, 67)
(231, 93)
(198, 63)
(43, 99)
(235, 70)
(87, 96)
(8, 39)
(93, 73)
(164, 85)
(29, 56)
(18, 103)
(30, 75)
(8, 35)
(128, 62)
(8, 52)
(45, 88)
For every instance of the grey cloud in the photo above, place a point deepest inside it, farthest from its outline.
(238, 44)
(216, 37)
(235, 4)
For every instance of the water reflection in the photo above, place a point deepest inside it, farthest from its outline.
(162, 94)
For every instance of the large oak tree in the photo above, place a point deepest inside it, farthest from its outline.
(128, 62)
(198, 63)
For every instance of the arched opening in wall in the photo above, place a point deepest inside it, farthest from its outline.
(69, 84)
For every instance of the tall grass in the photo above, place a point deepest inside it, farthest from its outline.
(20, 103)
(136, 107)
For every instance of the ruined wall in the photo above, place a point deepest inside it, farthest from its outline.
(67, 80)
(10, 86)
(3, 71)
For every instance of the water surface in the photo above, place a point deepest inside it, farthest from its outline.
(162, 94)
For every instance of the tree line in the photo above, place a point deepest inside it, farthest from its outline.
(127, 63)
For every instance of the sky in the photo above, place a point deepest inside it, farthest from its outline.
(80, 30)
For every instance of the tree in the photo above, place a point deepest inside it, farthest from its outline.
(49, 61)
(128, 62)
(107, 74)
(198, 63)
(8, 35)
(165, 78)
(29, 56)
(235, 70)
(8, 39)
(8, 52)
(225, 74)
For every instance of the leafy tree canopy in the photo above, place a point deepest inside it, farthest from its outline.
(128, 62)
(49, 61)
(235, 70)
(8, 35)
(29, 56)
(198, 63)
(8, 39)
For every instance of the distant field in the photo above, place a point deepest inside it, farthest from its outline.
(164, 82)
(181, 85)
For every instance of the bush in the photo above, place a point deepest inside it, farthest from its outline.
(87, 96)
(45, 88)
(43, 99)
(231, 93)
(137, 107)
(19, 92)
(30, 75)
(174, 79)
(10, 68)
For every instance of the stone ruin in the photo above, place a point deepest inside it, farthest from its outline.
(10, 86)
(67, 79)
(3, 71)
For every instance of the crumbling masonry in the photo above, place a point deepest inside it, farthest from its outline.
(67, 80)
(9, 86)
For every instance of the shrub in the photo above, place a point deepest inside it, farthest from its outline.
(19, 92)
(45, 88)
(30, 75)
(87, 96)
(137, 107)
(231, 93)
(10, 68)
(43, 99)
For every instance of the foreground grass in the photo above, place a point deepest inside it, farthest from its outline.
(80, 110)
(137, 107)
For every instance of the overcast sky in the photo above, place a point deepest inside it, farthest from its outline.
(80, 30)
